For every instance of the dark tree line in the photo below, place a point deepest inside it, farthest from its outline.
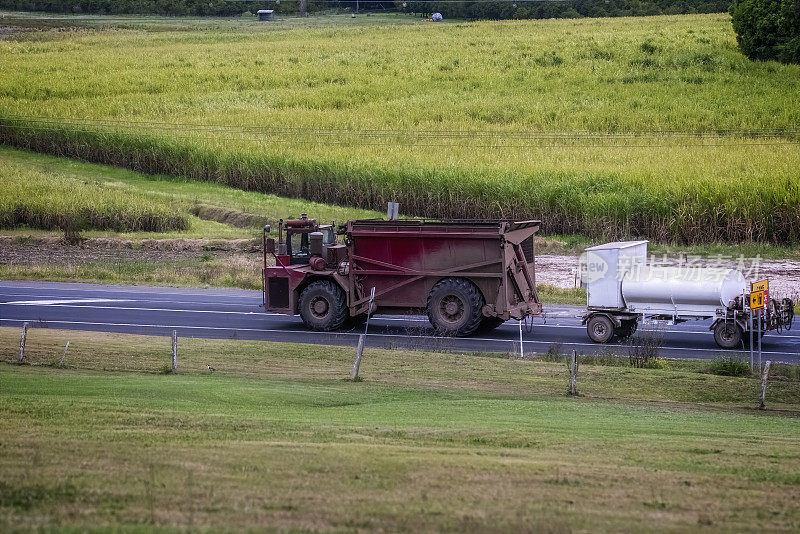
(568, 9)
(466, 10)
(768, 29)
(217, 8)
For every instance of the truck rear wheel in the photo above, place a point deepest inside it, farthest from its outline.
(728, 335)
(323, 306)
(600, 329)
(454, 307)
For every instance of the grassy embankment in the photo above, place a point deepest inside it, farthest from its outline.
(40, 191)
(44, 191)
(276, 438)
(677, 73)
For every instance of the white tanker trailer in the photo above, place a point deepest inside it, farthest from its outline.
(622, 289)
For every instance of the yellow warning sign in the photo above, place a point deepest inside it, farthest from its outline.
(763, 285)
(757, 301)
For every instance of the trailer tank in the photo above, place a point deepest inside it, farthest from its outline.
(622, 290)
(673, 290)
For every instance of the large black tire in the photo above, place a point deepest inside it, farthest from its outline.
(323, 306)
(600, 329)
(489, 323)
(454, 307)
(728, 335)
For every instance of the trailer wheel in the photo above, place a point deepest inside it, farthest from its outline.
(489, 323)
(600, 329)
(728, 335)
(454, 307)
(323, 306)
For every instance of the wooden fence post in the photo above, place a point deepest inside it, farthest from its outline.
(764, 385)
(359, 351)
(573, 374)
(22, 342)
(174, 352)
(63, 355)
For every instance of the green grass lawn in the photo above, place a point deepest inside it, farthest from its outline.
(403, 84)
(277, 439)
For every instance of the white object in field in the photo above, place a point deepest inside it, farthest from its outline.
(436, 17)
(681, 290)
(603, 267)
(266, 14)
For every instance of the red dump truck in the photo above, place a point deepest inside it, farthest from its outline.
(466, 275)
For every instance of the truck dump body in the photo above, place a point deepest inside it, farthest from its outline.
(465, 274)
(403, 260)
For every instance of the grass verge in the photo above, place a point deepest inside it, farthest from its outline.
(39, 190)
(275, 438)
(55, 200)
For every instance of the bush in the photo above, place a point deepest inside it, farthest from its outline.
(729, 366)
(768, 29)
(644, 349)
(785, 370)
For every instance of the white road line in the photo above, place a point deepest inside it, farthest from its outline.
(249, 301)
(62, 302)
(132, 308)
(272, 314)
(306, 332)
(131, 289)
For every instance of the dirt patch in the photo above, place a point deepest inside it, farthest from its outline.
(235, 218)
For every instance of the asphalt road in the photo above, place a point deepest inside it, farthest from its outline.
(236, 314)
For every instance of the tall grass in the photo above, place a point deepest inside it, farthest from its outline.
(660, 73)
(72, 179)
(57, 201)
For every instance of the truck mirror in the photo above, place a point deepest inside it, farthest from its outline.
(270, 246)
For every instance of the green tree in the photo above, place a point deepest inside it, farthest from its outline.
(768, 29)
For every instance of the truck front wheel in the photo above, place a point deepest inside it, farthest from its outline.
(454, 307)
(600, 329)
(728, 335)
(323, 306)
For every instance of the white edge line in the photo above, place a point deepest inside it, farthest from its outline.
(356, 334)
(272, 314)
